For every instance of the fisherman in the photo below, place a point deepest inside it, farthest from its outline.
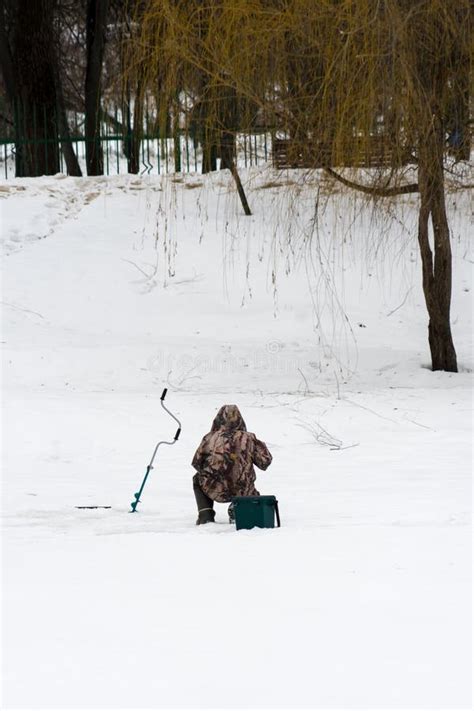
(224, 463)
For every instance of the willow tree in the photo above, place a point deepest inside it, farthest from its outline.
(385, 74)
(176, 53)
(350, 82)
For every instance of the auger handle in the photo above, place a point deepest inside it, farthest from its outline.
(135, 503)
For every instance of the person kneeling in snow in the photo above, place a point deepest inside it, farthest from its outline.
(224, 463)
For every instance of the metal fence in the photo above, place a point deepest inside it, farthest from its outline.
(157, 155)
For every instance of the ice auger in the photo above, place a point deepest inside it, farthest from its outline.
(135, 503)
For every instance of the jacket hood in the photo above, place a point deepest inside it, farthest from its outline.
(228, 418)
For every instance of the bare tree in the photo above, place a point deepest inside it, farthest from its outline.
(29, 67)
(95, 46)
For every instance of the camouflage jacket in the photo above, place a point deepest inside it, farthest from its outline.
(224, 460)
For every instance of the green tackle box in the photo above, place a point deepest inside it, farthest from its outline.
(251, 511)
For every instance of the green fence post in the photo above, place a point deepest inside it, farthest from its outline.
(187, 150)
(76, 131)
(158, 146)
(45, 118)
(118, 149)
(35, 138)
(61, 139)
(16, 120)
(107, 147)
(177, 152)
(149, 169)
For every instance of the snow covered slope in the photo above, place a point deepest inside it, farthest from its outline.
(113, 288)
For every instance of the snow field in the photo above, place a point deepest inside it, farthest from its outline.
(114, 288)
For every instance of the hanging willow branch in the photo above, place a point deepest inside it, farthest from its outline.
(345, 83)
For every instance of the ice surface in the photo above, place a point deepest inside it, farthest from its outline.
(114, 288)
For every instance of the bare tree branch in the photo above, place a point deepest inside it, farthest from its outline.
(374, 191)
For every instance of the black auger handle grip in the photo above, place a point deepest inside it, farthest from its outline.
(163, 394)
(178, 432)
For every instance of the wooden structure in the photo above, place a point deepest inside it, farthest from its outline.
(363, 153)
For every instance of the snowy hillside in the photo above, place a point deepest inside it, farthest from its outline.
(113, 288)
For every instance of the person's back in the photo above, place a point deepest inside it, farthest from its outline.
(225, 462)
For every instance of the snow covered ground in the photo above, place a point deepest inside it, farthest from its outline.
(113, 288)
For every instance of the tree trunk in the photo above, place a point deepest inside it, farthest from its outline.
(208, 128)
(29, 69)
(127, 128)
(227, 112)
(240, 188)
(96, 24)
(177, 136)
(436, 263)
(136, 132)
(72, 164)
(6, 59)
(209, 149)
(227, 150)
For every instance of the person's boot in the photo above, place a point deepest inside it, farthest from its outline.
(205, 505)
(231, 513)
(205, 516)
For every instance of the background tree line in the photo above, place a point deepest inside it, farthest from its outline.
(59, 57)
(219, 67)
